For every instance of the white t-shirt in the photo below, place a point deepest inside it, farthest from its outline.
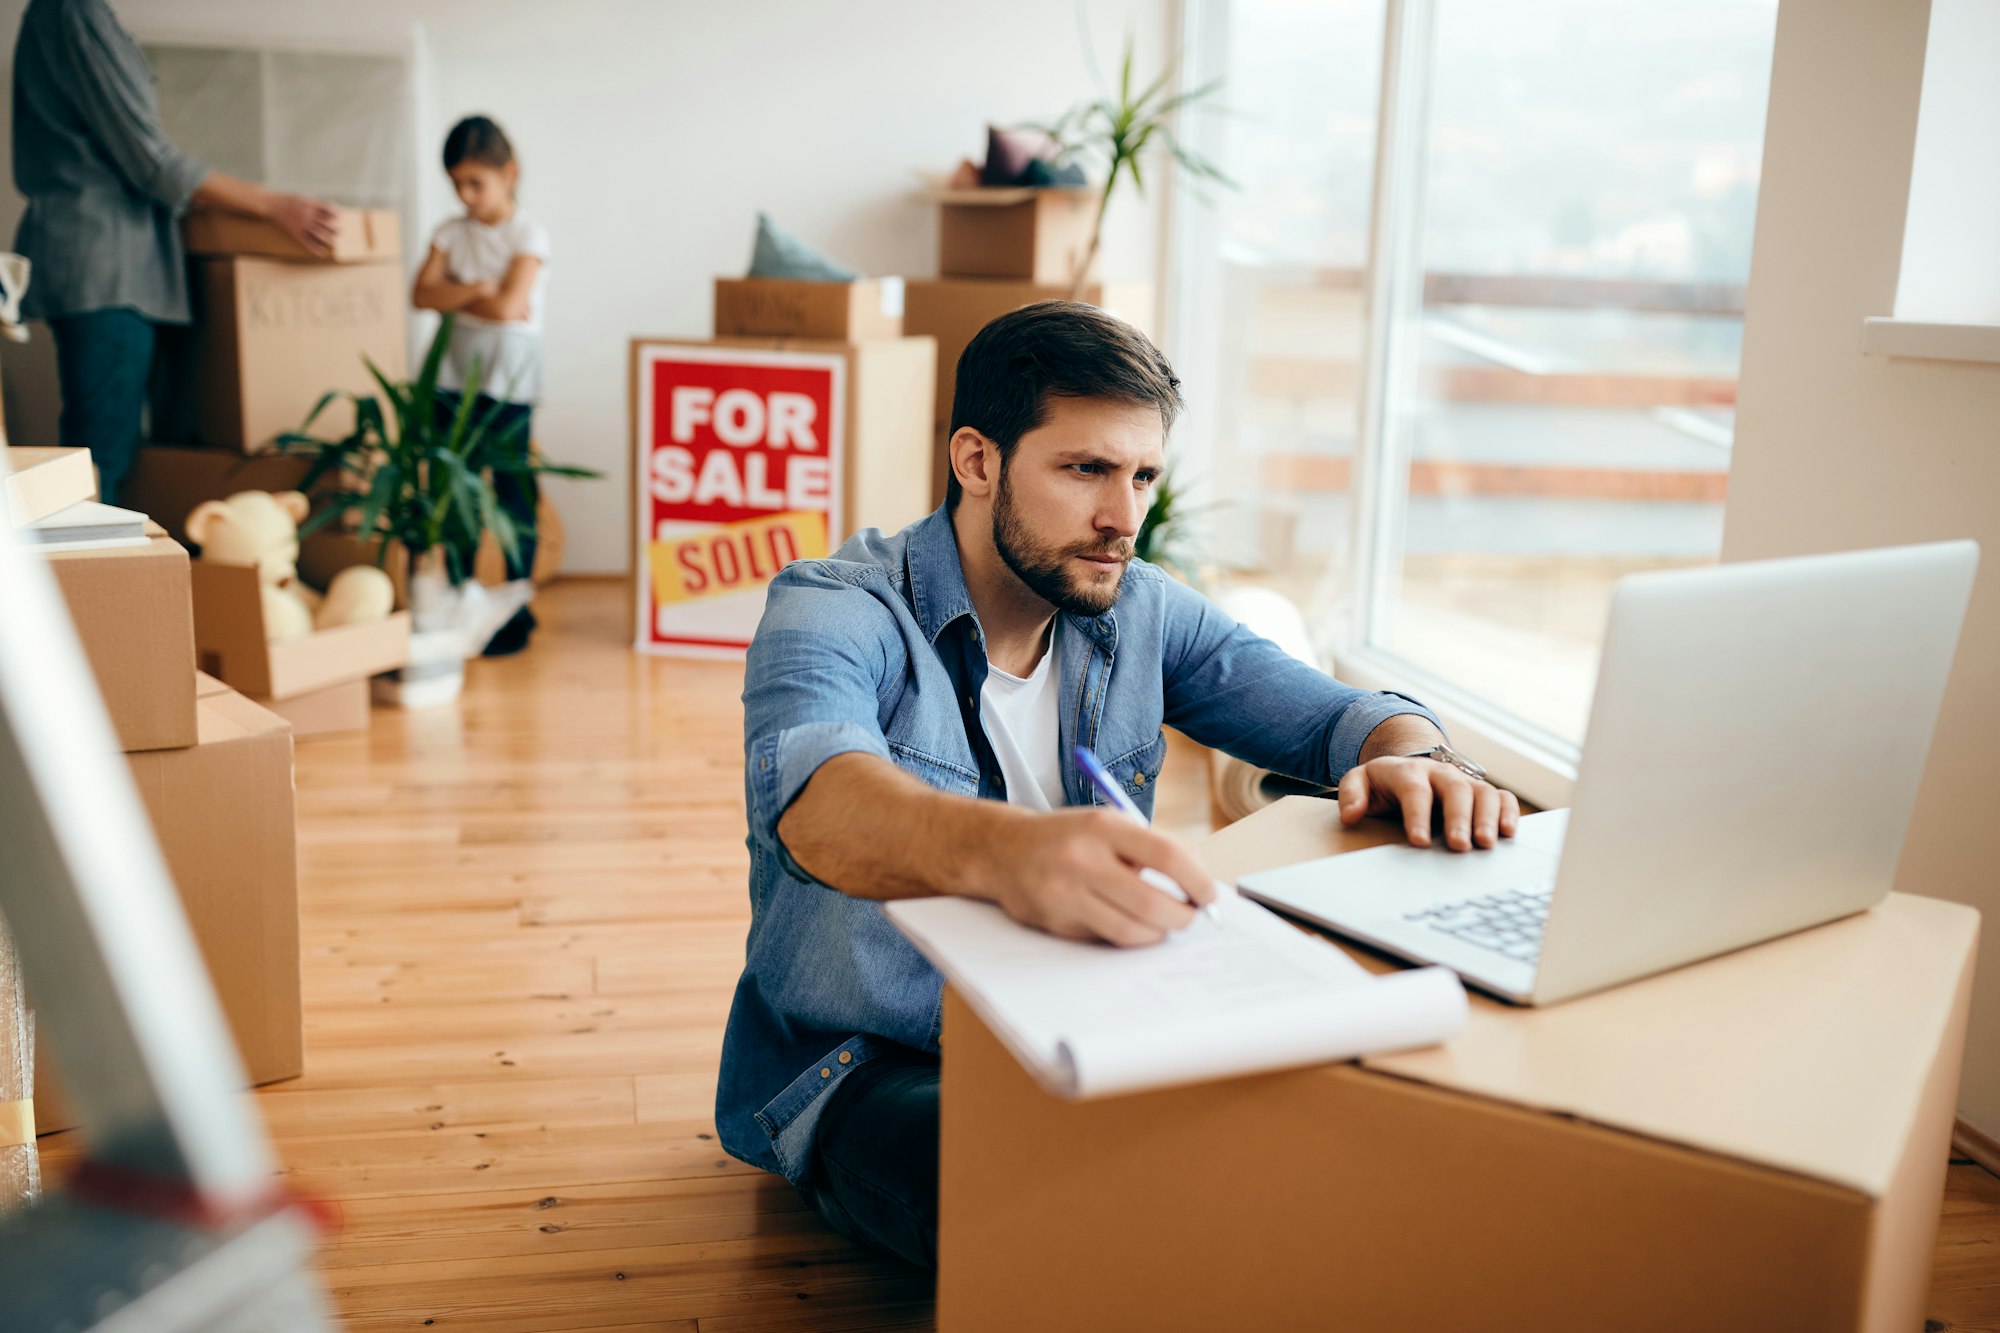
(508, 352)
(1023, 723)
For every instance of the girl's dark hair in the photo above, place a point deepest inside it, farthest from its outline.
(1053, 349)
(477, 139)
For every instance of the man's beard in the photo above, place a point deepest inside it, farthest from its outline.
(1047, 570)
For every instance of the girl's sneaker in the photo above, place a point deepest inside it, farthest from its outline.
(511, 637)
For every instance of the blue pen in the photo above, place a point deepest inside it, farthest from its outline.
(1100, 778)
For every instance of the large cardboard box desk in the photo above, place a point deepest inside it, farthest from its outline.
(1755, 1142)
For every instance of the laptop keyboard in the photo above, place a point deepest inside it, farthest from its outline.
(1508, 922)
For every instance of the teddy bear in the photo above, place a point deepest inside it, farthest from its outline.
(260, 528)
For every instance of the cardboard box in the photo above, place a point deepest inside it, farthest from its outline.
(786, 308)
(273, 336)
(953, 310)
(363, 234)
(230, 643)
(332, 711)
(131, 607)
(35, 483)
(223, 813)
(1027, 235)
(167, 481)
(1754, 1142)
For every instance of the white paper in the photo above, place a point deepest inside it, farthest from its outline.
(1246, 994)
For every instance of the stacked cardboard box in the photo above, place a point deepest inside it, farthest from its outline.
(998, 250)
(953, 309)
(276, 327)
(132, 608)
(319, 683)
(1026, 234)
(168, 481)
(215, 773)
(788, 308)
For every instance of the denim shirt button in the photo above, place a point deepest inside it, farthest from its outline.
(1138, 779)
(847, 1057)
(824, 1072)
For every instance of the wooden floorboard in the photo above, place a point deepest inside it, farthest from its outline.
(522, 919)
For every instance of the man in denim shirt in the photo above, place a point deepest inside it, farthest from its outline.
(909, 706)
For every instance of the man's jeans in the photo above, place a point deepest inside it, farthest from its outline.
(104, 361)
(875, 1158)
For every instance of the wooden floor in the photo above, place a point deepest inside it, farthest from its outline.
(523, 917)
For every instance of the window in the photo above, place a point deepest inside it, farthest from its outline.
(329, 123)
(1542, 398)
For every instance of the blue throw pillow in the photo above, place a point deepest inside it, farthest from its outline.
(779, 254)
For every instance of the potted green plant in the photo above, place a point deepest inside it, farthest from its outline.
(1118, 132)
(419, 478)
(1167, 535)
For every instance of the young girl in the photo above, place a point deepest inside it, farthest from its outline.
(489, 267)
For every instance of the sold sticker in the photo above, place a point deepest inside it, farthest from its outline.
(739, 454)
(732, 556)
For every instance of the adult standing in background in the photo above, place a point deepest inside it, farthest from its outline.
(105, 193)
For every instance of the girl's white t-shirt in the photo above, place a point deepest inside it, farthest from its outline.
(508, 353)
(1023, 723)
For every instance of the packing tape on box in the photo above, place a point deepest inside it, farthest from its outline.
(17, 1123)
(731, 557)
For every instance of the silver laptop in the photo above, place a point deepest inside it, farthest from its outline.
(1752, 760)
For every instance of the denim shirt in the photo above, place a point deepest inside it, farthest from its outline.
(878, 651)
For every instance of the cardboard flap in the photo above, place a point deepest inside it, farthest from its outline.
(1005, 196)
(1807, 1053)
(361, 235)
(334, 656)
(229, 625)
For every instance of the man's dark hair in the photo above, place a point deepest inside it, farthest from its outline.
(1053, 349)
(477, 139)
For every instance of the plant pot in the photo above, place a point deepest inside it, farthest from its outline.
(436, 673)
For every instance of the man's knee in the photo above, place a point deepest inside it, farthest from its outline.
(875, 1173)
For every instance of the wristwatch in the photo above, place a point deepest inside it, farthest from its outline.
(1444, 754)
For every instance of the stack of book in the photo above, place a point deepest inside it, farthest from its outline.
(49, 499)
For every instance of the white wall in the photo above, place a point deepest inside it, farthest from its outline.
(650, 134)
(1837, 450)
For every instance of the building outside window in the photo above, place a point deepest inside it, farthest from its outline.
(1449, 456)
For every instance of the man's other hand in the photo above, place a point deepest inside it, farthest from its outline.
(313, 223)
(1473, 813)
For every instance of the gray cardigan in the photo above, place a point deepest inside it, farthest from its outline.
(104, 187)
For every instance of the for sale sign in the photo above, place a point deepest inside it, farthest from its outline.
(739, 455)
